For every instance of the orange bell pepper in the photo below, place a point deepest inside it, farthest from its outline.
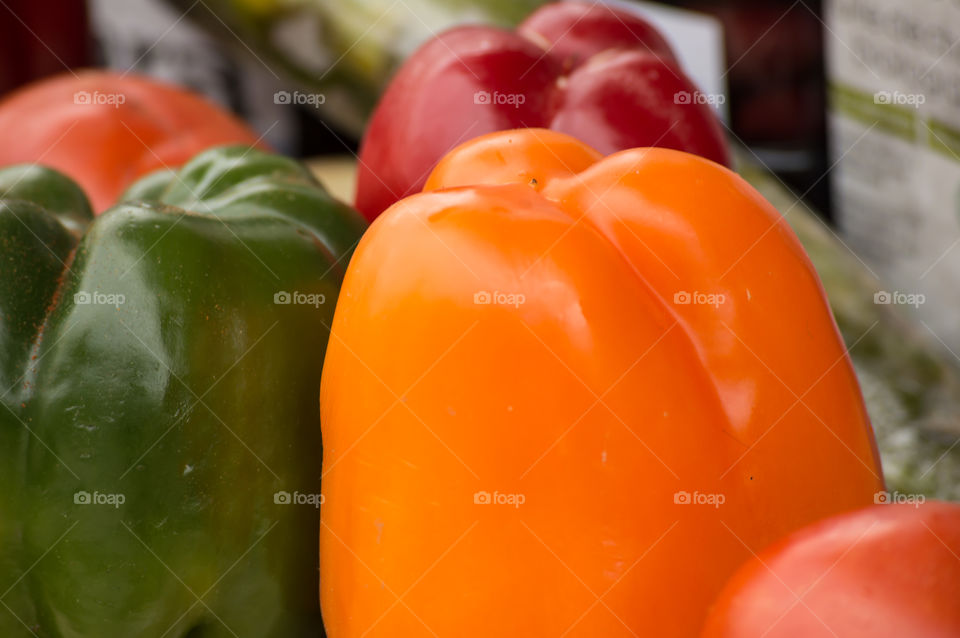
(569, 395)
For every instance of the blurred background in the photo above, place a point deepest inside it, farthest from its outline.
(240, 52)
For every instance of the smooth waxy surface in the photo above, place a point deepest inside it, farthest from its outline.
(539, 324)
(883, 571)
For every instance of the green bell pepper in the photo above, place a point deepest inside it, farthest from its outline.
(160, 369)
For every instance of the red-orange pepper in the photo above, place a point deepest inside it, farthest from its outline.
(569, 395)
(106, 129)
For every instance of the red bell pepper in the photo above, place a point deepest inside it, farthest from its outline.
(601, 74)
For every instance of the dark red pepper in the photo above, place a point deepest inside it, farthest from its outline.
(601, 74)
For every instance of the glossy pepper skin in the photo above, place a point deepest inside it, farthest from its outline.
(621, 342)
(598, 73)
(883, 571)
(105, 129)
(147, 356)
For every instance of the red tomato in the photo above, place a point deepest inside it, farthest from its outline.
(883, 571)
(105, 129)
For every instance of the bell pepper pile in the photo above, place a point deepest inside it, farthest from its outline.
(578, 377)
